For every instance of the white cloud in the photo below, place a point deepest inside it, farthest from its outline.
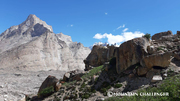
(121, 26)
(130, 35)
(99, 36)
(125, 29)
(118, 39)
(71, 25)
(106, 13)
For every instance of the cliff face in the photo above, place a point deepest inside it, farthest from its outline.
(33, 46)
(142, 53)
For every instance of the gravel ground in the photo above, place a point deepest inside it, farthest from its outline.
(14, 84)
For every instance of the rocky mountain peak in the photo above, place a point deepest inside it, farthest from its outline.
(33, 20)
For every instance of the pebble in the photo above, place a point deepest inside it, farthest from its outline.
(1, 86)
(165, 75)
(5, 96)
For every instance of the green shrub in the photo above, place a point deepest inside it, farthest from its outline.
(103, 90)
(92, 72)
(117, 85)
(147, 35)
(159, 48)
(46, 92)
(83, 85)
(170, 85)
(93, 90)
(113, 99)
(86, 96)
(108, 87)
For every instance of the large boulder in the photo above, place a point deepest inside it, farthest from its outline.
(177, 56)
(50, 81)
(97, 57)
(73, 75)
(178, 33)
(130, 53)
(161, 60)
(111, 52)
(151, 49)
(141, 71)
(159, 35)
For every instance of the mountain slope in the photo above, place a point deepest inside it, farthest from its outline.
(33, 46)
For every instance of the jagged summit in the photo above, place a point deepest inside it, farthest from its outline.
(32, 45)
(33, 20)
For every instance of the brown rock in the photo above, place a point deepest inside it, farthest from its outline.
(167, 38)
(73, 75)
(130, 53)
(66, 76)
(159, 35)
(177, 56)
(77, 78)
(178, 33)
(58, 86)
(111, 52)
(142, 71)
(162, 60)
(152, 72)
(151, 49)
(106, 66)
(131, 75)
(97, 57)
(48, 82)
(62, 82)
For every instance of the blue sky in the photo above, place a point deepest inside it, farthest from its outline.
(90, 21)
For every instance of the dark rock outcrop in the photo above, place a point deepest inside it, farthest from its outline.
(130, 53)
(97, 57)
(48, 82)
(161, 60)
(73, 75)
(157, 36)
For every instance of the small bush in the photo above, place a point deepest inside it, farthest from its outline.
(113, 99)
(171, 85)
(86, 96)
(93, 90)
(159, 48)
(103, 90)
(46, 92)
(147, 35)
(93, 71)
(108, 87)
(83, 85)
(117, 85)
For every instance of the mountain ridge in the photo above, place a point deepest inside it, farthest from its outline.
(32, 45)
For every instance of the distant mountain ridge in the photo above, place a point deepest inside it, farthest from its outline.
(32, 45)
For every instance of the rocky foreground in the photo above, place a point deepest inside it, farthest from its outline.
(15, 84)
(136, 64)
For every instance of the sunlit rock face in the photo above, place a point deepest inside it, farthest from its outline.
(32, 45)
